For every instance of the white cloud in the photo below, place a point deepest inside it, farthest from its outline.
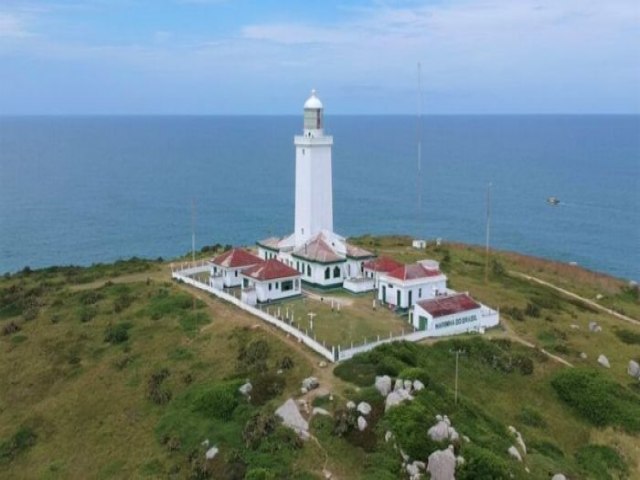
(13, 26)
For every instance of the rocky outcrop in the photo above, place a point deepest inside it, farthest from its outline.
(310, 383)
(594, 327)
(519, 439)
(633, 369)
(362, 423)
(383, 385)
(604, 361)
(558, 476)
(513, 451)
(442, 430)
(364, 408)
(442, 464)
(396, 397)
(211, 453)
(245, 389)
(292, 418)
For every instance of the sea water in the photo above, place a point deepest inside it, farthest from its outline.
(78, 190)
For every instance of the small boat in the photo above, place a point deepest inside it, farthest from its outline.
(553, 201)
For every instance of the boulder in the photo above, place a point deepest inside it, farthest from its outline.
(460, 460)
(420, 465)
(320, 411)
(388, 436)
(412, 469)
(322, 364)
(310, 383)
(364, 408)
(362, 423)
(351, 405)
(418, 385)
(291, 418)
(583, 356)
(327, 474)
(604, 361)
(594, 327)
(558, 476)
(513, 451)
(211, 453)
(396, 398)
(398, 385)
(245, 389)
(443, 430)
(383, 385)
(442, 464)
(633, 369)
(408, 385)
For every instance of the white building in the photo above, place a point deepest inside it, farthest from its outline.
(225, 268)
(453, 314)
(269, 280)
(379, 266)
(408, 284)
(323, 258)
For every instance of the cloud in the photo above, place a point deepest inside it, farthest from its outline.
(13, 26)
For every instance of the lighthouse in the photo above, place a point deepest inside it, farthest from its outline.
(314, 191)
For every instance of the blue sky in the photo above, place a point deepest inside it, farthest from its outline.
(241, 56)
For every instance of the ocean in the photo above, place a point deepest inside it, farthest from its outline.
(79, 190)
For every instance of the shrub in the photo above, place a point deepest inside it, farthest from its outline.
(90, 297)
(497, 268)
(531, 417)
(259, 427)
(524, 364)
(357, 370)
(30, 313)
(415, 373)
(155, 390)
(10, 328)
(345, 420)
(532, 310)
(217, 401)
(20, 441)
(600, 461)
(286, 363)
(597, 399)
(265, 387)
(410, 422)
(627, 336)
(482, 464)
(86, 313)
(115, 334)
(514, 312)
(254, 355)
(259, 474)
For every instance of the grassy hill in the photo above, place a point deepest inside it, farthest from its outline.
(113, 371)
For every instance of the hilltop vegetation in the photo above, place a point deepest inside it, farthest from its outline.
(113, 371)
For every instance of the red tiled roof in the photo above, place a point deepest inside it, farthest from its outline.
(442, 306)
(236, 257)
(413, 272)
(318, 250)
(382, 264)
(357, 252)
(270, 270)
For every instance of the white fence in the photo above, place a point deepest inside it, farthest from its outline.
(184, 275)
(332, 354)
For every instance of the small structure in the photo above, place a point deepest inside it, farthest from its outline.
(269, 280)
(453, 314)
(419, 244)
(226, 267)
(408, 284)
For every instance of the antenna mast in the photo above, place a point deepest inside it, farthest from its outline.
(419, 135)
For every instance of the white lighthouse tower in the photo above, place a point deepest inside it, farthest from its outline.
(314, 193)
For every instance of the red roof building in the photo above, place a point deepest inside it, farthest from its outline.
(413, 272)
(270, 270)
(449, 305)
(236, 258)
(382, 264)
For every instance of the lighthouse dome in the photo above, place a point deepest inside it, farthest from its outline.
(313, 102)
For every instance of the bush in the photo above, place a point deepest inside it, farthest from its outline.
(482, 464)
(357, 370)
(627, 336)
(600, 461)
(86, 313)
(90, 297)
(286, 363)
(156, 392)
(415, 373)
(20, 441)
(532, 310)
(259, 427)
(10, 328)
(597, 399)
(115, 334)
(217, 401)
(514, 312)
(531, 417)
(524, 364)
(497, 268)
(265, 387)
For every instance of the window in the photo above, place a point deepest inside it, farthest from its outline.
(308, 270)
(297, 284)
(269, 287)
(419, 293)
(336, 272)
(245, 282)
(298, 266)
(236, 272)
(287, 285)
(277, 285)
(327, 273)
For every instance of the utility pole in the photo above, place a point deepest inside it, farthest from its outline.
(488, 227)
(419, 135)
(193, 231)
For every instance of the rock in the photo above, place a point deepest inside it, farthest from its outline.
(405, 457)
(513, 451)
(388, 436)
(439, 418)
(322, 364)
(383, 385)
(396, 398)
(364, 408)
(292, 418)
(604, 361)
(460, 460)
(320, 411)
(211, 453)
(575, 327)
(466, 439)
(398, 385)
(558, 476)
(412, 469)
(418, 385)
(594, 327)
(310, 383)
(303, 390)
(351, 405)
(442, 464)
(443, 430)
(280, 371)
(583, 356)
(327, 474)
(633, 369)
(205, 443)
(245, 389)
(420, 465)
(362, 423)
(519, 439)
(408, 385)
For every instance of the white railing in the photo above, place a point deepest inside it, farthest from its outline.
(185, 276)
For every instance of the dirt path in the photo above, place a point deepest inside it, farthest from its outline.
(591, 303)
(511, 335)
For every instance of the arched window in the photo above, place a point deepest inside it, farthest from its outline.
(308, 270)
(336, 272)
(327, 273)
